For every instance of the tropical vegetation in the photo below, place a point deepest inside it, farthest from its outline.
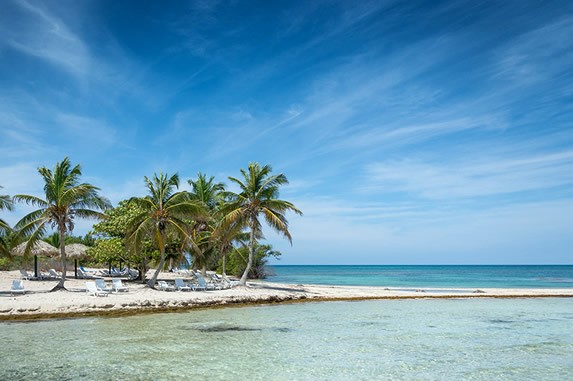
(206, 227)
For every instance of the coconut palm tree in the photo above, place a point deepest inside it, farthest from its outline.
(258, 196)
(163, 211)
(66, 199)
(208, 192)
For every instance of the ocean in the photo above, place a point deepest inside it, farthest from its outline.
(439, 276)
(423, 339)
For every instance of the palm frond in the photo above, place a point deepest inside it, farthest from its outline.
(278, 222)
(31, 200)
(6, 202)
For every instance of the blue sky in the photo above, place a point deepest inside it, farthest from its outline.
(413, 132)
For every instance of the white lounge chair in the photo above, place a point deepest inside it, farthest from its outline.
(164, 286)
(118, 285)
(25, 276)
(54, 274)
(17, 287)
(102, 286)
(180, 284)
(92, 289)
(231, 282)
(217, 281)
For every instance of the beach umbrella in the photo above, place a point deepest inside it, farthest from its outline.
(39, 248)
(76, 251)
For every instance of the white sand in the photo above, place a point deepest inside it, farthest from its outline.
(38, 302)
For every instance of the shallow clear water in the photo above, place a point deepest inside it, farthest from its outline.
(476, 339)
(407, 276)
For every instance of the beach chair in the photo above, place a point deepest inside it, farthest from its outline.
(84, 275)
(164, 286)
(87, 271)
(218, 282)
(231, 282)
(180, 284)
(25, 276)
(197, 287)
(203, 283)
(118, 286)
(92, 289)
(54, 274)
(101, 285)
(17, 287)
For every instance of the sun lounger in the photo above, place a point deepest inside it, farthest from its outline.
(54, 274)
(164, 286)
(87, 271)
(101, 285)
(17, 287)
(92, 289)
(203, 283)
(25, 276)
(180, 284)
(217, 281)
(84, 275)
(231, 282)
(118, 285)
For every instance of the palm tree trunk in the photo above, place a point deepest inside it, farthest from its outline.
(243, 281)
(153, 280)
(224, 263)
(60, 285)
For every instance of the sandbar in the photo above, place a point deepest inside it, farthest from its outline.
(40, 303)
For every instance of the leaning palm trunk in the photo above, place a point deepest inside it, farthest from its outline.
(61, 283)
(243, 281)
(153, 280)
(224, 264)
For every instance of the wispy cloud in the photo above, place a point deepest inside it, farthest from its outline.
(87, 130)
(46, 37)
(493, 176)
(500, 235)
(539, 55)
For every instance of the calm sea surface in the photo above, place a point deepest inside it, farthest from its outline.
(475, 339)
(428, 276)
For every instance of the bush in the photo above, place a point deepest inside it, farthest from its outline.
(5, 264)
(237, 261)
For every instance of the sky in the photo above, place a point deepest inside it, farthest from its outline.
(412, 132)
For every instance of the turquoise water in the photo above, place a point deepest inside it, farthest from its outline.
(475, 339)
(543, 276)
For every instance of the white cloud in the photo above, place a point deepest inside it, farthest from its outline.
(513, 234)
(471, 178)
(48, 38)
(87, 130)
(538, 55)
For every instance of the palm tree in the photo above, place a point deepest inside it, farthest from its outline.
(163, 211)
(207, 192)
(66, 199)
(259, 192)
(5, 230)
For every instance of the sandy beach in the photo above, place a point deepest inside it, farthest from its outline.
(39, 303)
